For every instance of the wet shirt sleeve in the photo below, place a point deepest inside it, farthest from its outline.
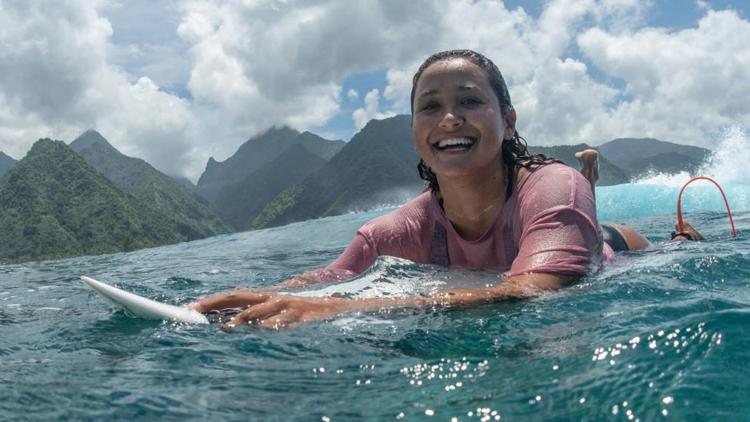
(559, 230)
(358, 256)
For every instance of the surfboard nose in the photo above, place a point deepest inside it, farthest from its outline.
(143, 307)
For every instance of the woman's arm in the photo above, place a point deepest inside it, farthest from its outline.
(271, 310)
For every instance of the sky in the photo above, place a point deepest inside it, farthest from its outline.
(175, 82)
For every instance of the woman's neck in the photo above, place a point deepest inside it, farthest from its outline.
(473, 202)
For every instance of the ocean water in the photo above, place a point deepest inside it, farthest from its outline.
(657, 334)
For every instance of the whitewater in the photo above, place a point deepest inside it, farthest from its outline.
(657, 334)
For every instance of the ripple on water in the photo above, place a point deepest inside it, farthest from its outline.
(654, 332)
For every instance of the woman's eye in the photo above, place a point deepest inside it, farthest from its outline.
(429, 106)
(471, 101)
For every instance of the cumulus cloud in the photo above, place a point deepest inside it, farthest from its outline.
(145, 42)
(553, 93)
(682, 86)
(269, 62)
(56, 81)
(582, 71)
(370, 111)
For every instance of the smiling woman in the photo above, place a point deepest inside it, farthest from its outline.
(490, 205)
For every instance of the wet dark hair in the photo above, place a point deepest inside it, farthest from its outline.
(514, 150)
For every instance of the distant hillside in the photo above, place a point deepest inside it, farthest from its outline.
(239, 203)
(609, 174)
(637, 156)
(378, 166)
(53, 204)
(185, 183)
(256, 153)
(192, 215)
(6, 163)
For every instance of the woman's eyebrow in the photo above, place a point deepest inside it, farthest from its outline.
(427, 93)
(464, 87)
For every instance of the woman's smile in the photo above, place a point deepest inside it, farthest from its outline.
(454, 144)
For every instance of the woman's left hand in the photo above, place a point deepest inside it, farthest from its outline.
(280, 311)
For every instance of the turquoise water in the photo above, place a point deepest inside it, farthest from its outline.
(659, 334)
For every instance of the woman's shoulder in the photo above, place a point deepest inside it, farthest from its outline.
(553, 174)
(554, 185)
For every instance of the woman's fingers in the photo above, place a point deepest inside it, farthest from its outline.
(282, 311)
(232, 299)
(258, 312)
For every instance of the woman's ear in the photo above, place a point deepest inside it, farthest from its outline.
(510, 124)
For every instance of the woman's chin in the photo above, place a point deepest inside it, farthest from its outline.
(457, 171)
(466, 166)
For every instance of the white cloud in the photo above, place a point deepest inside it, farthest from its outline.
(40, 71)
(553, 93)
(556, 104)
(269, 62)
(56, 81)
(370, 111)
(683, 86)
(144, 41)
(244, 66)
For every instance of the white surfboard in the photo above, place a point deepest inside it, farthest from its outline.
(143, 307)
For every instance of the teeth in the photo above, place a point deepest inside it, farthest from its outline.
(454, 142)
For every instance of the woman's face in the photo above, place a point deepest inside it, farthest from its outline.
(457, 124)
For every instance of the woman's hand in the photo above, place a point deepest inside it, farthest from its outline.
(271, 310)
(238, 298)
(280, 311)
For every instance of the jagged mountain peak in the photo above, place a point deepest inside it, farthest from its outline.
(393, 121)
(88, 138)
(278, 131)
(136, 177)
(54, 204)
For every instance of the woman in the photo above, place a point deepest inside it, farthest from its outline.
(489, 205)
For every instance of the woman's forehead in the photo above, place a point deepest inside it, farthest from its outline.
(453, 73)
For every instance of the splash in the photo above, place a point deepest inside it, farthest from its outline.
(728, 164)
(656, 193)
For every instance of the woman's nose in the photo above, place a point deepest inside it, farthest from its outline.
(451, 120)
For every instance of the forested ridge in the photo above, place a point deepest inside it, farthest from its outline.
(88, 198)
(53, 204)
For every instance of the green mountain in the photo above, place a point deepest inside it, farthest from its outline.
(185, 183)
(6, 163)
(257, 153)
(192, 215)
(53, 204)
(609, 174)
(378, 166)
(637, 156)
(239, 203)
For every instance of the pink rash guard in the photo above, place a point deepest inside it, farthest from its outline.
(548, 225)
